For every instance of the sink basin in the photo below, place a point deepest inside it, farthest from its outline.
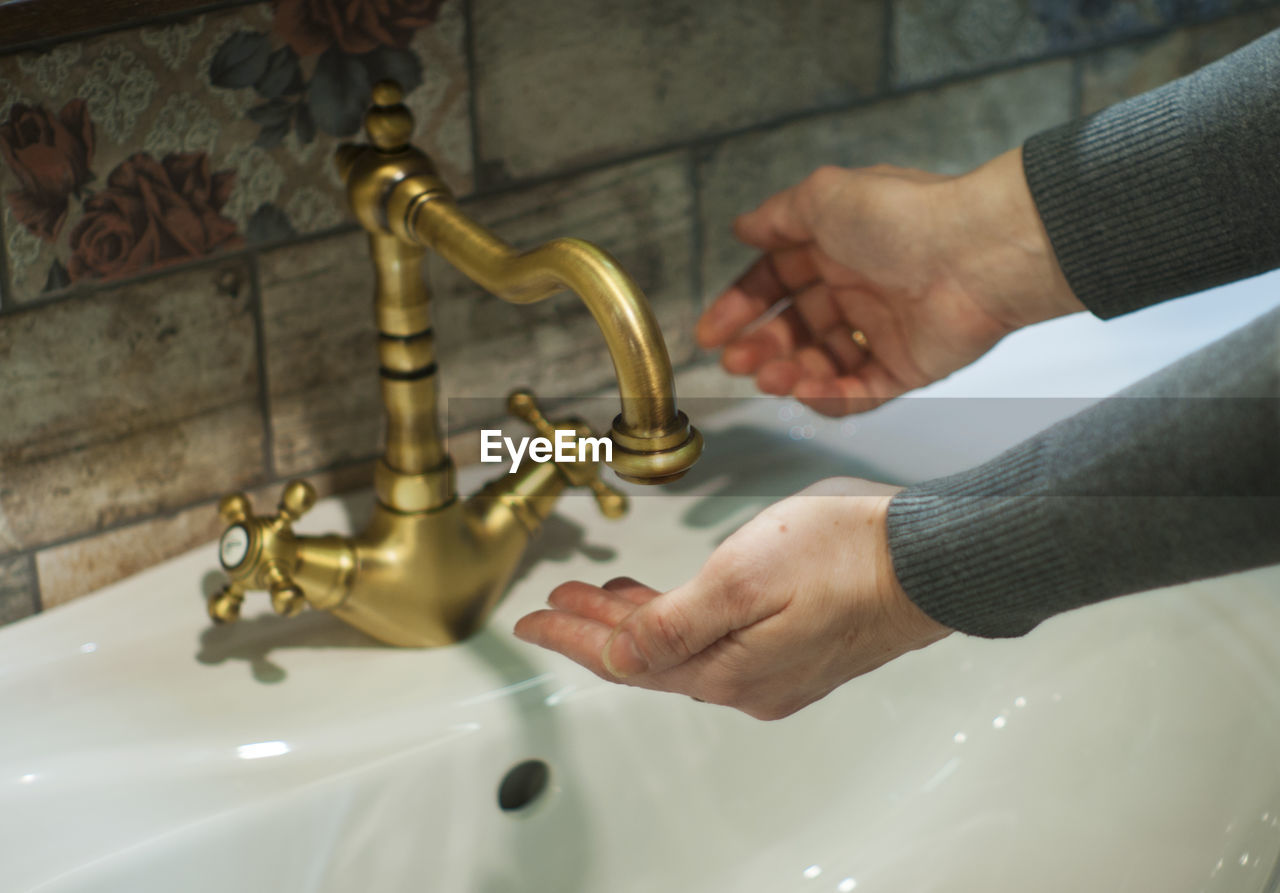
(1128, 747)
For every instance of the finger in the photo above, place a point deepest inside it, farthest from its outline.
(708, 676)
(779, 377)
(834, 355)
(580, 639)
(632, 590)
(591, 602)
(845, 353)
(868, 388)
(767, 281)
(818, 308)
(779, 222)
(779, 337)
(815, 362)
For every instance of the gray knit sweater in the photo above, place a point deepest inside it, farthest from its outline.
(1176, 478)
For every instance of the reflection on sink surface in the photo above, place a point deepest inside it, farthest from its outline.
(1127, 747)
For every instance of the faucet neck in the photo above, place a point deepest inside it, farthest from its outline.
(416, 473)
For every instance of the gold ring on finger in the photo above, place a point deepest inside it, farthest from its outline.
(860, 338)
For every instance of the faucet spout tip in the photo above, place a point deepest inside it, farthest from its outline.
(657, 458)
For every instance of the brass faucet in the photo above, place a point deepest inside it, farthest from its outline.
(428, 567)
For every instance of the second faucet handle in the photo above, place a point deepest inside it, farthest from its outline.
(524, 406)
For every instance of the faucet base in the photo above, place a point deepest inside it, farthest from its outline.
(429, 578)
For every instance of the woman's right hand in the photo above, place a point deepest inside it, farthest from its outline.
(932, 271)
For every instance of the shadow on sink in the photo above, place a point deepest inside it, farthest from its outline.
(254, 638)
(747, 467)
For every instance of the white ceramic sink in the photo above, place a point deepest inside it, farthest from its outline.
(1134, 746)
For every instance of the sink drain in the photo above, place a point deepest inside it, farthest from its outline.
(522, 785)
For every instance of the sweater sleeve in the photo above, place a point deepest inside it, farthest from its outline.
(1169, 193)
(1174, 479)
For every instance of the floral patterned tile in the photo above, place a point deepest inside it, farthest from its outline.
(156, 145)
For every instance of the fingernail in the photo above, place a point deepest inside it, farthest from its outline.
(621, 657)
(521, 631)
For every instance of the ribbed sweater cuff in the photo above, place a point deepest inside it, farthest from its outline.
(977, 551)
(1123, 198)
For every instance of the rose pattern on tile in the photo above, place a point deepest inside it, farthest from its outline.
(153, 213)
(50, 157)
(354, 43)
(91, 105)
(150, 213)
(355, 26)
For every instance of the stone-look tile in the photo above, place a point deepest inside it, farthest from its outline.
(948, 130)
(560, 83)
(1112, 75)
(126, 402)
(77, 568)
(321, 353)
(83, 566)
(237, 114)
(150, 471)
(139, 356)
(640, 212)
(18, 595)
(936, 38)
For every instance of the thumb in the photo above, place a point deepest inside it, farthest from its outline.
(776, 224)
(672, 628)
(785, 219)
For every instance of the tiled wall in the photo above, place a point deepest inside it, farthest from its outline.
(184, 308)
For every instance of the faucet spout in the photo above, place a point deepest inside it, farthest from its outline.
(654, 442)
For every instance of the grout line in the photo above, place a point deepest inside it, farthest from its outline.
(37, 598)
(260, 351)
(6, 287)
(1009, 65)
(174, 511)
(160, 272)
(473, 118)
(713, 140)
(151, 426)
(165, 18)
